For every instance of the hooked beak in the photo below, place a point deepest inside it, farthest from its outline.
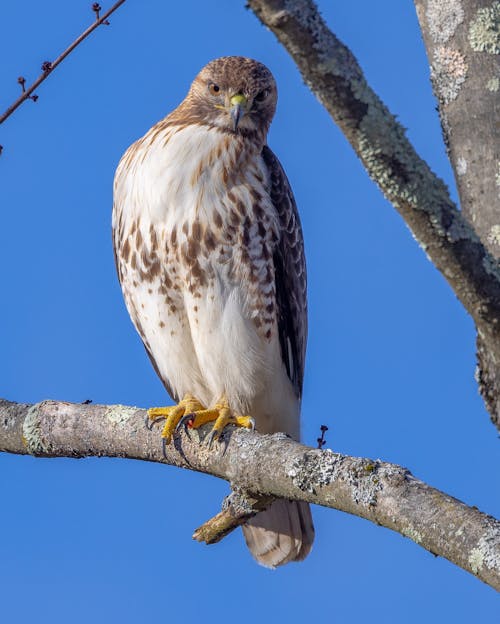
(238, 108)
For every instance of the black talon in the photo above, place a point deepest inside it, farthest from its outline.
(164, 448)
(150, 423)
(184, 423)
(211, 437)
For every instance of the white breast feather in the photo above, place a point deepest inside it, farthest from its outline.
(216, 350)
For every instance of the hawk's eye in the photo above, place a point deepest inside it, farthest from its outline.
(214, 89)
(262, 95)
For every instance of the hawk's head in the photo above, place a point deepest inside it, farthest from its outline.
(234, 93)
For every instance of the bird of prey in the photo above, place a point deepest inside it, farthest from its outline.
(210, 257)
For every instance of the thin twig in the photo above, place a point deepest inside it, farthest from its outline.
(49, 66)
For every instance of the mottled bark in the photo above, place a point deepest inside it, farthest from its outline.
(268, 465)
(462, 39)
(331, 71)
(237, 508)
(464, 57)
(488, 375)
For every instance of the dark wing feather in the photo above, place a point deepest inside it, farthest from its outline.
(290, 274)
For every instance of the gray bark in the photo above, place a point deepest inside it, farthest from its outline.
(450, 241)
(462, 39)
(268, 465)
(465, 73)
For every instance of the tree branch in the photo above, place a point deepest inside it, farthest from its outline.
(237, 508)
(49, 66)
(270, 466)
(463, 55)
(462, 43)
(331, 71)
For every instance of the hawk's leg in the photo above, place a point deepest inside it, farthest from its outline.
(221, 415)
(173, 414)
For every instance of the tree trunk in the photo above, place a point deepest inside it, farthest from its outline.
(462, 39)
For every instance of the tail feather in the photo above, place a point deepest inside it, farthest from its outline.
(282, 533)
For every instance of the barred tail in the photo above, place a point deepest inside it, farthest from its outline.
(282, 533)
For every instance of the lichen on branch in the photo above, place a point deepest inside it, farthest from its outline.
(261, 468)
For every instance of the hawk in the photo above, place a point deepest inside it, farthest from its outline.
(209, 253)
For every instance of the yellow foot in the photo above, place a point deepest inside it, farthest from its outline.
(174, 414)
(191, 414)
(221, 415)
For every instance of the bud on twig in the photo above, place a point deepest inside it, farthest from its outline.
(96, 7)
(321, 441)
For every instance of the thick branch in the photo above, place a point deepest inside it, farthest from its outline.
(268, 465)
(333, 74)
(463, 43)
(463, 52)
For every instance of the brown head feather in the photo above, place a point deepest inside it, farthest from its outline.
(231, 75)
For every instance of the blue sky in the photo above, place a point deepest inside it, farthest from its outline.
(391, 351)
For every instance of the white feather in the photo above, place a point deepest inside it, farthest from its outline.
(217, 349)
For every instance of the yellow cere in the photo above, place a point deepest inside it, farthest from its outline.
(238, 99)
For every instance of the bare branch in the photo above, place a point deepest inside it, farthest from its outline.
(333, 74)
(331, 71)
(461, 39)
(49, 66)
(237, 508)
(464, 71)
(267, 466)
